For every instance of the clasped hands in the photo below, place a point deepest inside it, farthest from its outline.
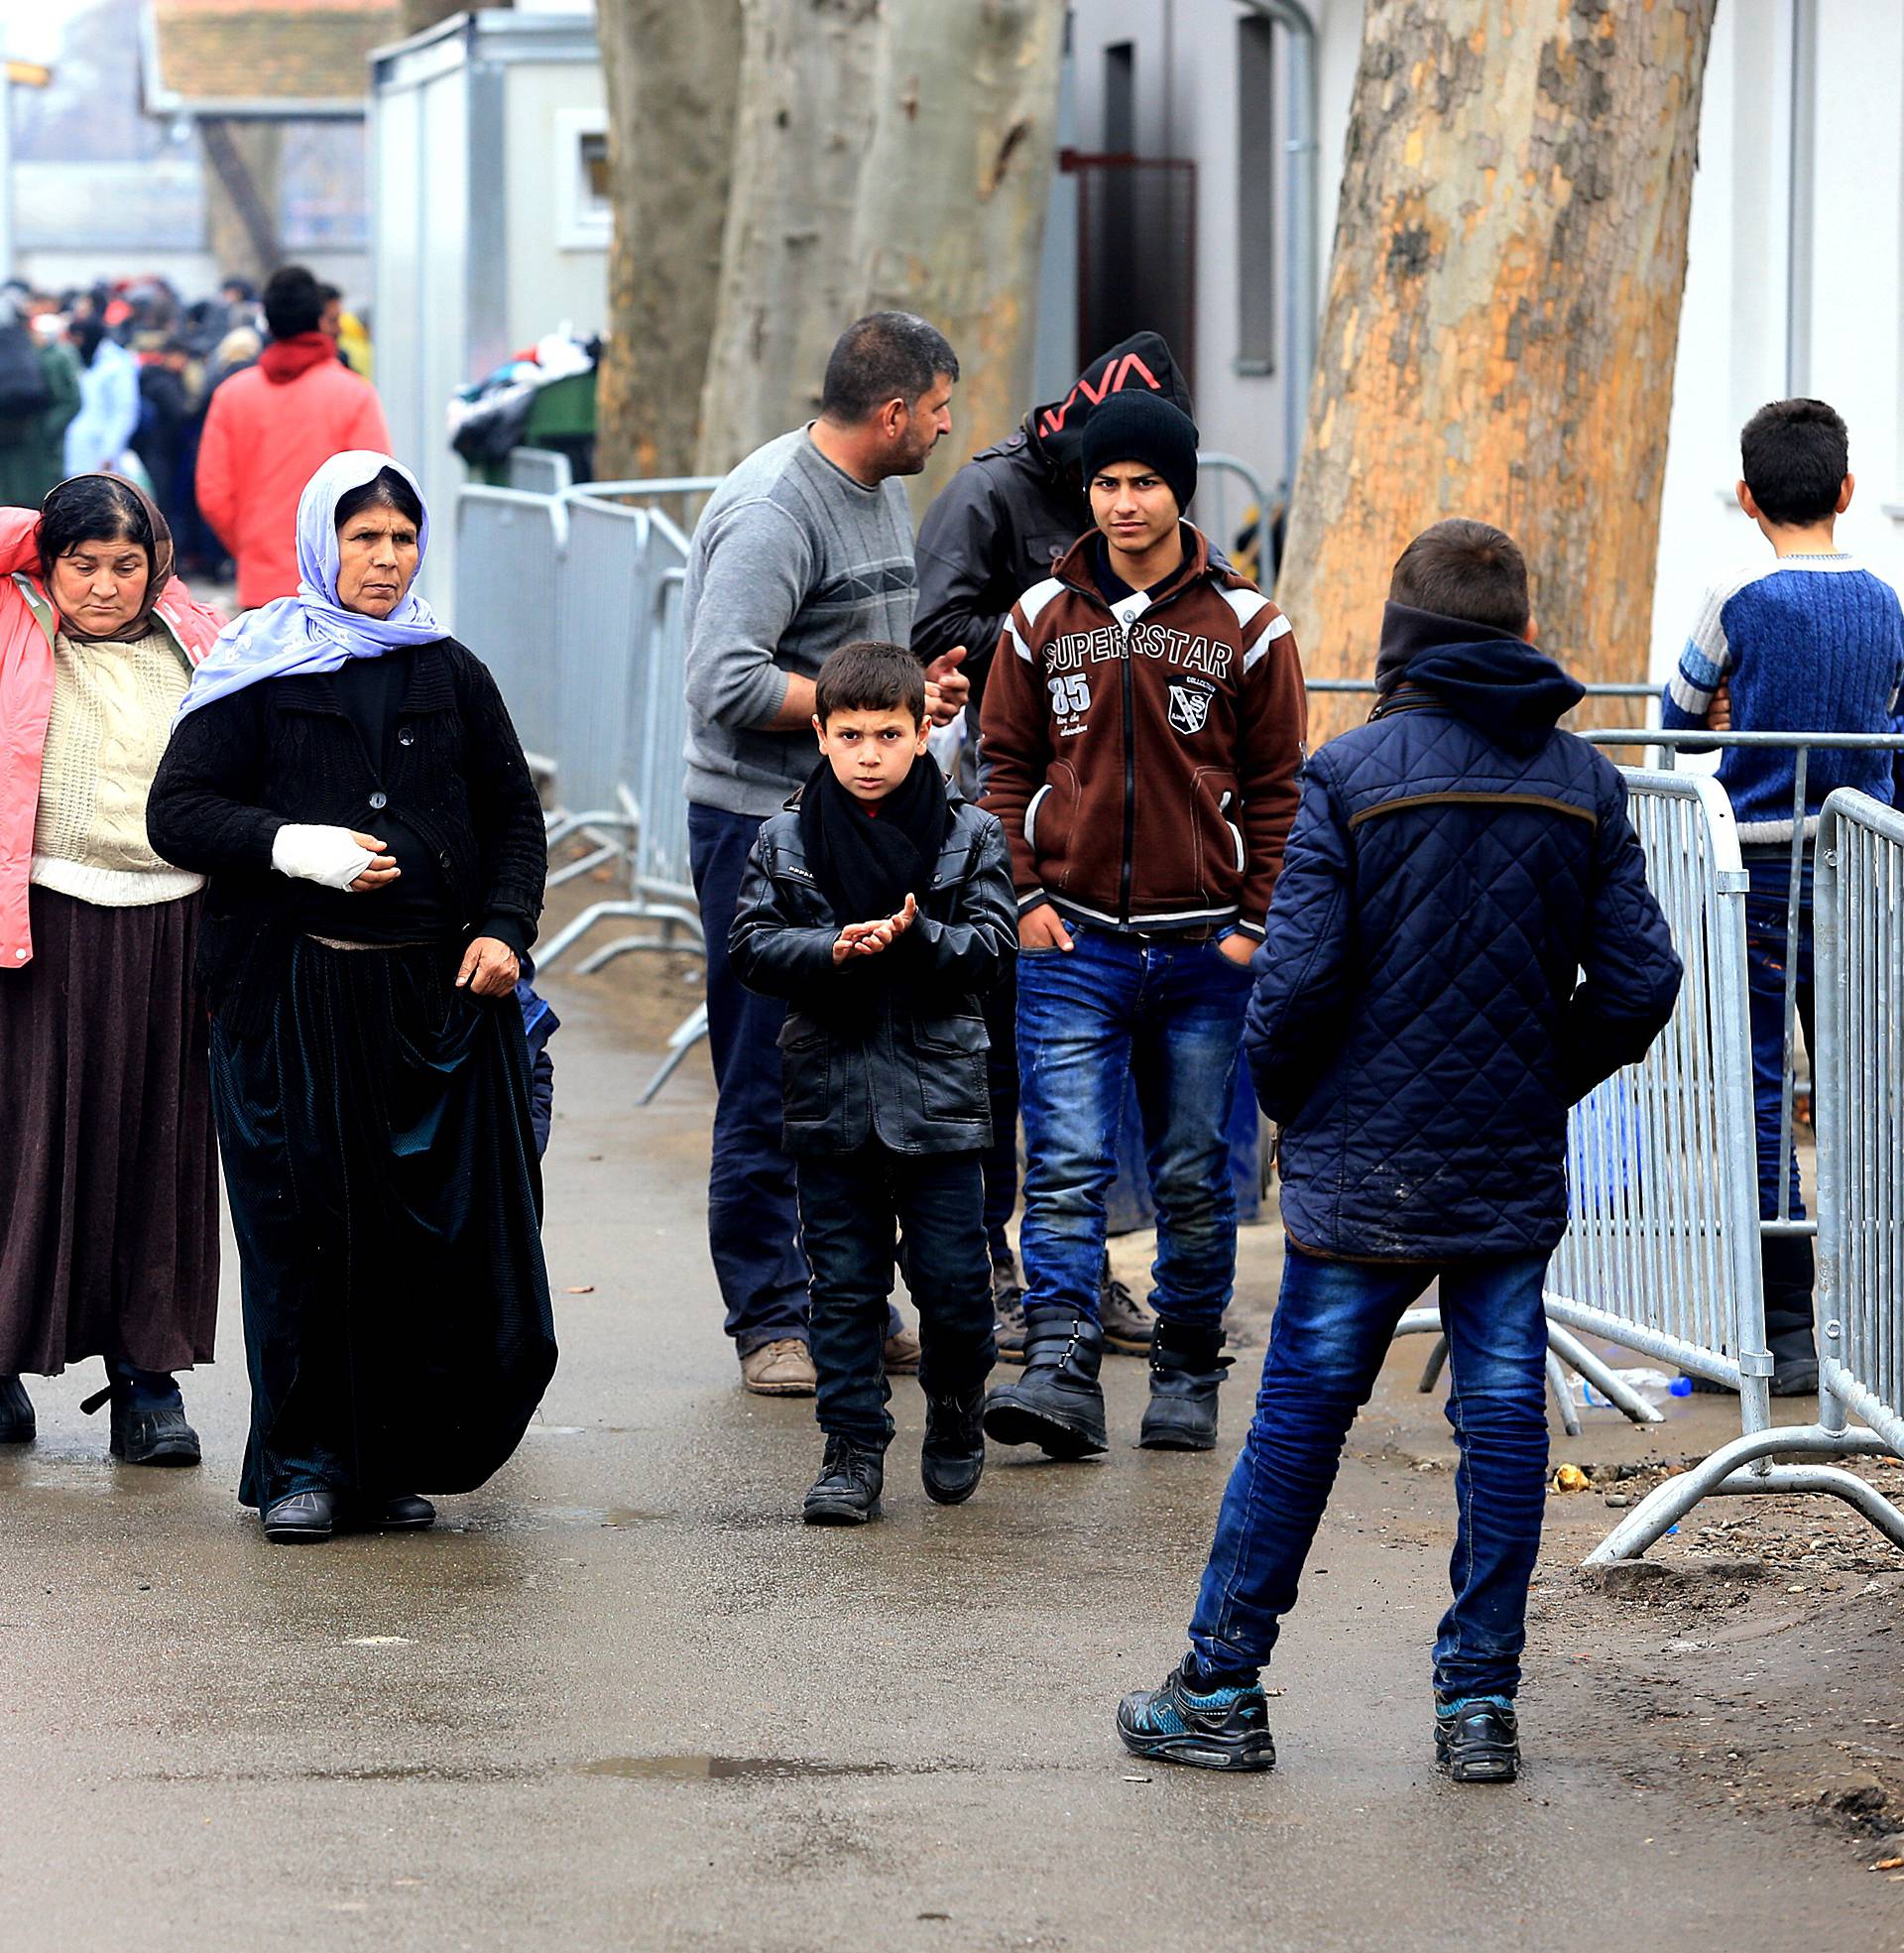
(859, 939)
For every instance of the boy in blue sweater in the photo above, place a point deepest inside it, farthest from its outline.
(1810, 642)
(1461, 944)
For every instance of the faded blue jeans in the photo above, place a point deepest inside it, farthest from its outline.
(1168, 1015)
(1332, 1330)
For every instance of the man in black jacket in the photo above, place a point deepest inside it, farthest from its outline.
(994, 531)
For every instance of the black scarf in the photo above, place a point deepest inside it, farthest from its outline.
(865, 865)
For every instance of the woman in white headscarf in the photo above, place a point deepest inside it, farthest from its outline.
(348, 777)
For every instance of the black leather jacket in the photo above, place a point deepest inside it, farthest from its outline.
(901, 1060)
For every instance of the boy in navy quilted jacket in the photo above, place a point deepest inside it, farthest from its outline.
(1810, 641)
(1461, 944)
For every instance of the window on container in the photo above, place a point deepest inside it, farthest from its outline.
(1258, 181)
(1120, 99)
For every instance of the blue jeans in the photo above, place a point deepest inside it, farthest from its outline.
(1788, 1261)
(1331, 1330)
(753, 1217)
(1168, 1015)
(850, 1205)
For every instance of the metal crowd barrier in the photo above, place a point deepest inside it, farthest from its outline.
(510, 547)
(1665, 1247)
(541, 471)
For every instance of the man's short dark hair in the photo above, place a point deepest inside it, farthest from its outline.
(1795, 456)
(294, 302)
(871, 676)
(886, 355)
(1466, 569)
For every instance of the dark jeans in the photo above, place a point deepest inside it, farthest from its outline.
(753, 1218)
(1788, 1261)
(850, 1205)
(1331, 1330)
(1168, 1015)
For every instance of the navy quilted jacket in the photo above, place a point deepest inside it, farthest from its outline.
(1461, 944)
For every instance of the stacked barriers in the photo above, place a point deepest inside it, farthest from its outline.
(1662, 1253)
(1859, 1099)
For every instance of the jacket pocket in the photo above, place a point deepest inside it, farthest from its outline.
(1216, 820)
(951, 1068)
(805, 1071)
(1050, 817)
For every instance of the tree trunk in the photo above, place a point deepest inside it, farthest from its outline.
(893, 154)
(951, 216)
(672, 78)
(241, 196)
(1503, 315)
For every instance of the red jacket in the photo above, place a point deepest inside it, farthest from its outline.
(1144, 759)
(264, 439)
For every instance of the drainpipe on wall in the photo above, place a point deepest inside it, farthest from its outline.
(1801, 179)
(1300, 295)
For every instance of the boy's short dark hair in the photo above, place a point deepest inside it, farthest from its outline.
(1466, 569)
(1795, 456)
(871, 676)
(886, 355)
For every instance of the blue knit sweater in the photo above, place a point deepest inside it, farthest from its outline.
(1810, 643)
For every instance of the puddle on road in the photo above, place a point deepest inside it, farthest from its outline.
(695, 1769)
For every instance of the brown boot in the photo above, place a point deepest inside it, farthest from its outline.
(780, 1369)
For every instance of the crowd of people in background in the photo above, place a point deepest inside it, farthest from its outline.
(121, 379)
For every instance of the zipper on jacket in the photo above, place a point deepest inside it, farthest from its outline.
(1130, 781)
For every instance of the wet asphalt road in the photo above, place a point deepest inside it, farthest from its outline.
(622, 1699)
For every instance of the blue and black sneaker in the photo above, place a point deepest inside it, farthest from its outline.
(1218, 1726)
(1477, 1737)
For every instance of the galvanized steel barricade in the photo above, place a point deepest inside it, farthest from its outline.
(541, 471)
(509, 576)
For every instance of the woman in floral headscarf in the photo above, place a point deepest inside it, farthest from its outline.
(109, 1212)
(347, 776)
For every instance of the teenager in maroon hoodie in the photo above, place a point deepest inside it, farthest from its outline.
(1143, 723)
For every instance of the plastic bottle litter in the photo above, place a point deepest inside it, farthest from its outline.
(1652, 1385)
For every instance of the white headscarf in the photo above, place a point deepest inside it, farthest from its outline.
(312, 631)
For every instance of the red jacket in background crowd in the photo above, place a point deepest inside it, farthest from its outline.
(265, 438)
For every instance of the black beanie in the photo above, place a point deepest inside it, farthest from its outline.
(1143, 426)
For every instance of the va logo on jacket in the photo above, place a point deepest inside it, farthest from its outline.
(1189, 708)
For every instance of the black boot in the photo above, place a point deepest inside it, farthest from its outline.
(847, 1491)
(1186, 1372)
(1057, 1405)
(148, 1417)
(17, 1426)
(952, 1459)
(1790, 1273)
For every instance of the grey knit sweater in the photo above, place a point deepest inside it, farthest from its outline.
(792, 559)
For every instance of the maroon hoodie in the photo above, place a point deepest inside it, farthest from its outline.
(1143, 759)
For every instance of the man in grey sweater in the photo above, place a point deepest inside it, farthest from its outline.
(805, 547)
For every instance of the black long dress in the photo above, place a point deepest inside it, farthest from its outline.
(374, 1120)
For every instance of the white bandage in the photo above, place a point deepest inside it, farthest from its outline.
(319, 854)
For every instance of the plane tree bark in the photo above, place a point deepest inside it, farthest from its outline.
(1503, 314)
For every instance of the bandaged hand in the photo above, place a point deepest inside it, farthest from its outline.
(334, 857)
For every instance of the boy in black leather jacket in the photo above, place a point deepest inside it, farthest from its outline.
(881, 909)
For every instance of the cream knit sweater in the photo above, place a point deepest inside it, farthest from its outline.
(112, 710)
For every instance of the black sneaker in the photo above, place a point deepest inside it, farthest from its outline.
(847, 1491)
(17, 1423)
(1215, 1728)
(1794, 1376)
(952, 1458)
(1129, 1326)
(1477, 1737)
